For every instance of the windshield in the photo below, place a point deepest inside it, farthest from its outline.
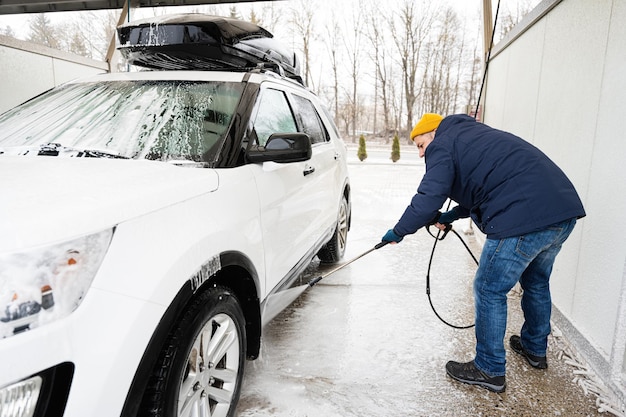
(162, 120)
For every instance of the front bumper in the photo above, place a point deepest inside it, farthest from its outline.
(85, 366)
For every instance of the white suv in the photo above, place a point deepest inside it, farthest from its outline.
(148, 218)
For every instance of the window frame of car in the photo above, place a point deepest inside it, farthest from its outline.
(297, 100)
(257, 120)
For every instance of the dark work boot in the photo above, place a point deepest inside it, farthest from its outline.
(469, 374)
(539, 362)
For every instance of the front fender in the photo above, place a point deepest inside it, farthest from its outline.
(233, 270)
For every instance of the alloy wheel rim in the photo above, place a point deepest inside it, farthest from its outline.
(208, 383)
(342, 227)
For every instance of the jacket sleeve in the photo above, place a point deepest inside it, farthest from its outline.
(431, 193)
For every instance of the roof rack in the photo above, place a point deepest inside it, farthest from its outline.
(194, 41)
(276, 68)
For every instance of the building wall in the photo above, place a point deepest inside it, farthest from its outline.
(28, 69)
(559, 81)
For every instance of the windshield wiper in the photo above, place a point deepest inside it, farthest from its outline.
(54, 149)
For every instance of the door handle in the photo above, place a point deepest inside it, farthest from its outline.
(308, 170)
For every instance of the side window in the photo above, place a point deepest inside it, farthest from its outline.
(274, 116)
(311, 123)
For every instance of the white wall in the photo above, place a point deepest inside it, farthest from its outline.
(27, 69)
(562, 86)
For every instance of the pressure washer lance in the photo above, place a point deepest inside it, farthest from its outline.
(332, 271)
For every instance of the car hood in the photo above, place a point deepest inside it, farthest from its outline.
(46, 199)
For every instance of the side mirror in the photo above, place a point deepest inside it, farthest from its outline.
(282, 147)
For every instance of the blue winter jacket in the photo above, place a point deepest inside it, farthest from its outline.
(508, 186)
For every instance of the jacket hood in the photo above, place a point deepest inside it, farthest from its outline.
(47, 199)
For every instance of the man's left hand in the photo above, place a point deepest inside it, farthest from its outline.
(392, 237)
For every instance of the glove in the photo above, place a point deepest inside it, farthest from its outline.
(391, 236)
(448, 217)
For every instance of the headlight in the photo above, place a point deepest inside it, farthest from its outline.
(47, 283)
(20, 399)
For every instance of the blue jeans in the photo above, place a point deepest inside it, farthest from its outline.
(527, 259)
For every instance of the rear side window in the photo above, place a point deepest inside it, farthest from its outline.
(311, 123)
(274, 116)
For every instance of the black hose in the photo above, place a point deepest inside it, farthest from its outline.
(438, 237)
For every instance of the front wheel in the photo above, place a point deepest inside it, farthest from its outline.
(200, 368)
(335, 248)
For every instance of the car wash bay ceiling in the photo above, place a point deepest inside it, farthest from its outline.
(37, 6)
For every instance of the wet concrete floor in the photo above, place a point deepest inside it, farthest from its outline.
(365, 342)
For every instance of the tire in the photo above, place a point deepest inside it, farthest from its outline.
(335, 248)
(201, 366)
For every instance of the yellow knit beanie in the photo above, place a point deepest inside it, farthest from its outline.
(428, 123)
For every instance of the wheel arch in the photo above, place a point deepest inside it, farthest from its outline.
(236, 272)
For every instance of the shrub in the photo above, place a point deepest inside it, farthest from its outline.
(361, 152)
(395, 149)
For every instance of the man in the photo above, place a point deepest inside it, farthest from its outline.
(526, 207)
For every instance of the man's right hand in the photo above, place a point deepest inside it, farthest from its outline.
(441, 226)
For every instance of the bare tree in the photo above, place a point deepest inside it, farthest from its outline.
(89, 34)
(396, 98)
(76, 44)
(109, 28)
(7, 31)
(409, 35)
(234, 13)
(43, 32)
(474, 79)
(332, 46)
(442, 78)
(376, 31)
(352, 44)
(269, 16)
(253, 18)
(302, 15)
(345, 116)
(408, 38)
(511, 17)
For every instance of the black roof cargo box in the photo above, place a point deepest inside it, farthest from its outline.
(195, 41)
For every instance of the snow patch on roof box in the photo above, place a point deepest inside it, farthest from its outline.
(194, 41)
